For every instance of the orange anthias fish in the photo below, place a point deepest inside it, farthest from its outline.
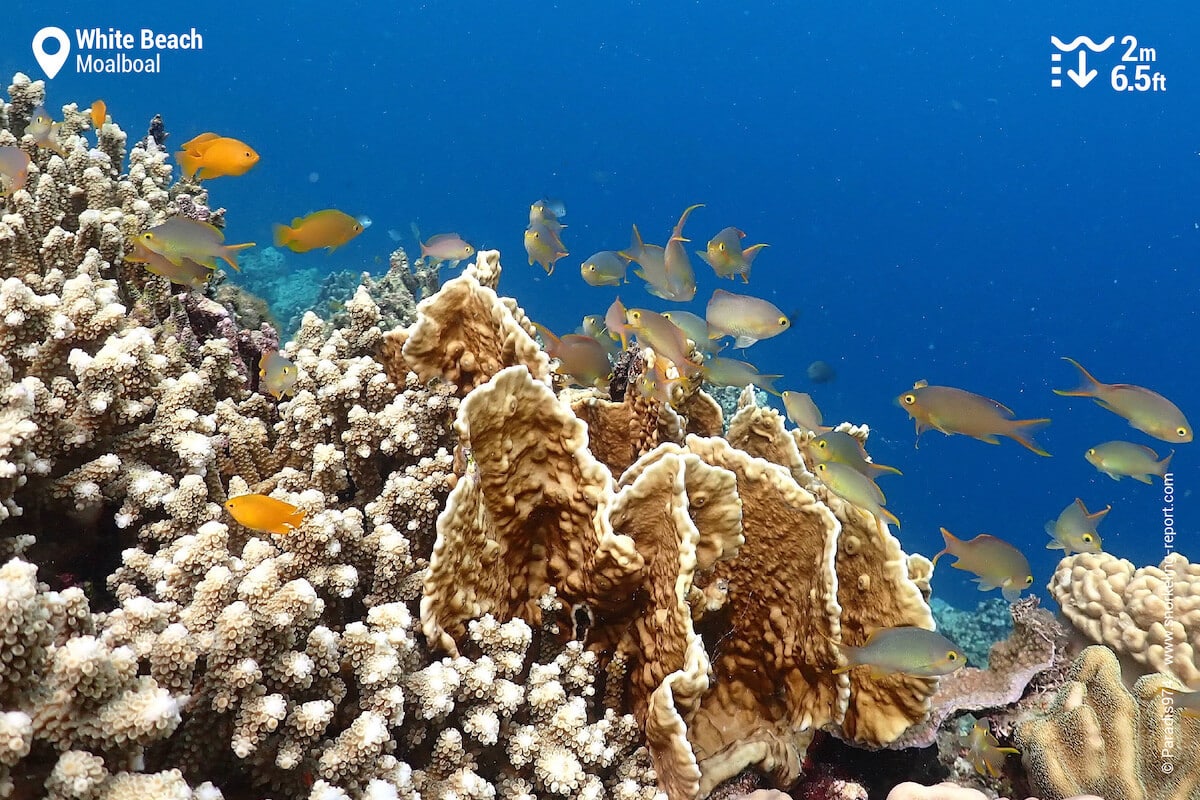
(44, 131)
(581, 358)
(1075, 529)
(616, 323)
(952, 411)
(803, 412)
(984, 751)
(1146, 410)
(747, 319)
(681, 278)
(213, 156)
(99, 114)
(14, 169)
(997, 563)
(447, 247)
(543, 246)
(259, 512)
(181, 238)
(277, 375)
(329, 229)
(657, 332)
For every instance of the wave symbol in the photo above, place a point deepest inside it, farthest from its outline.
(1095, 48)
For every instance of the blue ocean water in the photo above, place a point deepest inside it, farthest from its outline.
(935, 209)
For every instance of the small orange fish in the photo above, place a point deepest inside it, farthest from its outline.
(213, 156)
(187, 273)
(997, 563)
(99, 114)
(984, 751)
(1146, 410)
(329, 229)
(44, 131)
(181, 237)
(276, 375)
(259, 512)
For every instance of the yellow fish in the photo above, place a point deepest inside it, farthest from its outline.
(544, 213)
(656, 384)
(543, 246)
(997, 563)
(276, 375)
(606, 268)
(616, 322)
(14, 168)
(694, 328)
(1146, 410)
(726, 256)
(188, 273)
(1075, 529)
(855, 488)
(44, 131)
(213, 156)
(1121, 459)
(904, 651)
(99, 114)
(747, 319)
(803, 411)
(952, 411)
(984, 751)
(843, 448)
(329, 229)
(259, 512)
(181, 238)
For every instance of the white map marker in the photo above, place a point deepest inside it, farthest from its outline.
(51, 63)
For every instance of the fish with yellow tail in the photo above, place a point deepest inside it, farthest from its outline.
(1146, 410)
(726, 255)
(277, 375)
(694, 328)
(731, 372)
(843, 448)
(951, 411)
(653, 330)
(181, 238)
(187, 273)
(995, 563)
(259, 512)
(617, 324)
(212, 156)
(1125, 459)
(984, 751)
(328, 229)
(856, 489)
(903, 650)
(1075, 529)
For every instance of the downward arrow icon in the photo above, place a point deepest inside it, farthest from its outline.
(1082, 78)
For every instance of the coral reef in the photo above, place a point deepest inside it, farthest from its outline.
(974, 631)
(1102, 738)
(1149, 615)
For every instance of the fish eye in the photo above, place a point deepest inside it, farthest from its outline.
(591, 267)
(952, 656)
(721, 247)
(822, 444)
(909, 399)
(1091, 451)
(783, 321)
(1028, 580)
(821, 467)
(1087, 538)
(1181, 431)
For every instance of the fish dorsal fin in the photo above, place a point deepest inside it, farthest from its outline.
(921, 384)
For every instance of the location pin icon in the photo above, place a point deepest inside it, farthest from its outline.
(51, 63)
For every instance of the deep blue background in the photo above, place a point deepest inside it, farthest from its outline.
(934, 208)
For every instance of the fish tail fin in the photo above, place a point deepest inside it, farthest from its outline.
(950, 540)
(1164, 465)
(636, 246)
(1088, 385)
(768, 384)
(1021, 430)
(750, 253)
(283, 235)
(884, 468)
(229, 254)
(188, 163)
(890, 517)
